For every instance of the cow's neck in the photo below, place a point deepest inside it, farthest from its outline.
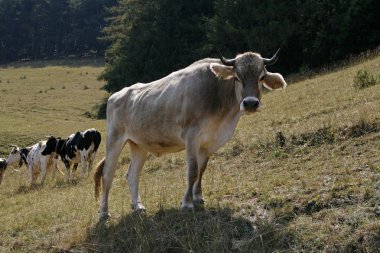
(230, 104)
(228, 116)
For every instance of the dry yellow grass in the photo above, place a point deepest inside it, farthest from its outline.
(319, 190)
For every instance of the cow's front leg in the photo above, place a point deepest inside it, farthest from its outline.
(133, 175)
(192, 150)
(197, 188)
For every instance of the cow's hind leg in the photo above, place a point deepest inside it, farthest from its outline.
(133, 175)
(114, 146)
(197, 188)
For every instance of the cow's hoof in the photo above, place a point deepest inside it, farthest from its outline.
(186, 208)
(199, 202)
(104, 217)
(138, 208)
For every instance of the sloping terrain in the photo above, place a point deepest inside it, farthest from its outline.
(302, 175)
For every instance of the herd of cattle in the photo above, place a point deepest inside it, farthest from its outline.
(44, 155)
(195, 109)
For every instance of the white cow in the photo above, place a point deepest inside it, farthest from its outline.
(196, 109)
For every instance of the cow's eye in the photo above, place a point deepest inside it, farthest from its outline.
(262, 78)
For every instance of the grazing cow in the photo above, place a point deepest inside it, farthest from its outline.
(33, 159)
(78, 147)
(3, 166)
(196, 109)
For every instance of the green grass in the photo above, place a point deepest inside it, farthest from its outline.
(314, 187)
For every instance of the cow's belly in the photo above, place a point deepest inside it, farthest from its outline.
(74, 159)
(78, 154)
(159, 146)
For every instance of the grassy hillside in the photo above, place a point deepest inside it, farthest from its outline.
(301, 175)
(40, 98)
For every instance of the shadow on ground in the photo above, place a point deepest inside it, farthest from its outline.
(24, 189)
(213, 230)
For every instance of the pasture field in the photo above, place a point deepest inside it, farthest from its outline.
(302, 175)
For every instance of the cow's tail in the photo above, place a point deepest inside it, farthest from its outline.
(98, 177)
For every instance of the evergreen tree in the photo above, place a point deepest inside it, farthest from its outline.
(38, 29)
(152, 38)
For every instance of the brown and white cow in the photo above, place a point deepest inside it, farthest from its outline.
(196, 109)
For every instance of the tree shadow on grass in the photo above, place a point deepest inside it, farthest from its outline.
(212, 230)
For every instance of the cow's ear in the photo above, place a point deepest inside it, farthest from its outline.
(222, 71)
(274, 81)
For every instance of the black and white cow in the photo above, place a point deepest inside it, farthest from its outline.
(3, 166)
(78, 147)
(33, 159)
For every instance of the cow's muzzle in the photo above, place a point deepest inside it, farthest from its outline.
(250, 104)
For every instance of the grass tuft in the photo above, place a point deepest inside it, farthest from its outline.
(364, 79)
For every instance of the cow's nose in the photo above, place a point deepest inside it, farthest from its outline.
(251, 104)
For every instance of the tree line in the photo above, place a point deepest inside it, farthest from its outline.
(151, 38)
(146, 39)
(39, 29)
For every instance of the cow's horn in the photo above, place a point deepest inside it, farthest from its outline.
(271, 60)
(13, 146)
(227, 62)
